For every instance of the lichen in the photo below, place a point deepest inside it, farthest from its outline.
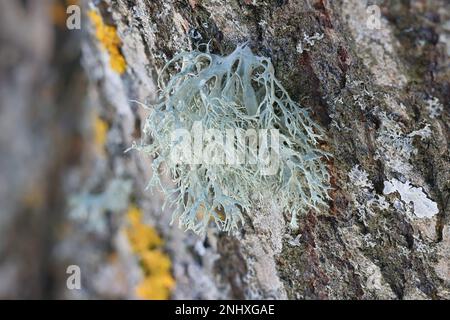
(110, 41)
(238, 92)
(360, 178)
(434, 107)
(395, 147)
(365, 198)
(100, 134)
(90, 208)
(146, 243)
(308, 42)
(423, 206)
(141, 236)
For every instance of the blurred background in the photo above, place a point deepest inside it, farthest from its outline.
(44, 133)
(71, 225)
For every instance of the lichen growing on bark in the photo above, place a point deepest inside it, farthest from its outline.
(236, 93)
(158, 282)
(110, 41)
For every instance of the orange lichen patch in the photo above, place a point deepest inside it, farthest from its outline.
(141, 236)
(156, 287)
(146, 243)
(110, 41)
(100, 132)
(155, 262)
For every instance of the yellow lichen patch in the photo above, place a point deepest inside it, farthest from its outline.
(146, 243)
(155, 262)
(110, 41)
(141, 236)
(100, 133)
(156, 287)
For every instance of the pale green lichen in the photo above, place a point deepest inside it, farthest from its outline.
(234, 92)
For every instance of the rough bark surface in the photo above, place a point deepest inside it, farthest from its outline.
(347, 79)
(370, 89)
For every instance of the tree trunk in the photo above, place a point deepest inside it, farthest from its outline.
(358, 81)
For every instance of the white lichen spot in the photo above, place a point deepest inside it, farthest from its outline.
(423, 133)
(263, 23)
(295, 242)
(434, 107)
(364, 196)
(308, 42)
(395, 147)
(360, 178)
(423, 207)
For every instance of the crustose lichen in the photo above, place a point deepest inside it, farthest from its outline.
(236, 92)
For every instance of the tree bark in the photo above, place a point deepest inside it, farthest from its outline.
(372, 89)
(355, 80)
